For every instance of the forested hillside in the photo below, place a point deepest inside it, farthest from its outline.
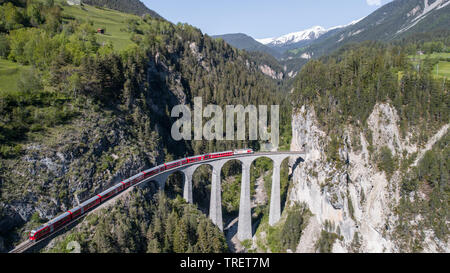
(394, 21)
(375, 119)
(373, 72)
(83, 114)
(142, 224)
(242, 41)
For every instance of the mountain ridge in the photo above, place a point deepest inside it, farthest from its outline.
(395, 20)
(388, 23)
(311, 33)
(245, 42)
(128, 6)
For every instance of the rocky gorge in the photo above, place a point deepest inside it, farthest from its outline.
(357, 198)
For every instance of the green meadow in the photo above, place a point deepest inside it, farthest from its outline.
(10, 72)
(114, 23)
(442, 67)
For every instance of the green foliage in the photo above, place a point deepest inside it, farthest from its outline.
(4, 46)
(11, 17)
(332, 150)
(292, 228)
(286, 235)
(247, 244)
(127, 6)
(326, 241)
(430, 180)
(356, 243)
(70, 70)
(231, 195)
(8, 151)
(351, 210)
(30, 109)
(368, 73)
(142, 225)
(386, 161)
(35, 218)
(64, 246)
(113, 22)
(328, 237)
(434, 46)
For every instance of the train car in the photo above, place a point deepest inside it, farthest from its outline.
(59, 221)
(172, 164)
(90, 203)
(107, 193)
(39, 232)
(195, 159)
(221, 154)
(137, 178)
(126, 183)
(243, 151)
(148, 173)
(152, 171)
(76, 212)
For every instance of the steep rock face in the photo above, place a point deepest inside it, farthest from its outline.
(356, 197)
(78, 160)
(71, 166)
(266, 70)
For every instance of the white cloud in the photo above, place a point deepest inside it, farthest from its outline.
(373, 2)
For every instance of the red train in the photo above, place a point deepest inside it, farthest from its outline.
(76, 212)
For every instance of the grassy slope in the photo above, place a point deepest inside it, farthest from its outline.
(440, 70)
(9, 75)
(114, 22)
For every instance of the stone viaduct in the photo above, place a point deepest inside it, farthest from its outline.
(215, 208)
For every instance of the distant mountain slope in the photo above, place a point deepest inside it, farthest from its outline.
(294, 37)
(128, 6)
(243, 41)
(394, 20)
(300, 39)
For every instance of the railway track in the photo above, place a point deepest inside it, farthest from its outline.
(24, 246)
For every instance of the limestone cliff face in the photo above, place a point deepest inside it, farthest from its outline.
(267, 70)
(356, 197)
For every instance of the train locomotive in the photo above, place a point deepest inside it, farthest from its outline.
(72, 214)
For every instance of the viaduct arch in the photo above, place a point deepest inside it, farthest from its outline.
(215, 207)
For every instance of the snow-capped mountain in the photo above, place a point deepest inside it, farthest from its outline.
(294, 37)
(300, 36)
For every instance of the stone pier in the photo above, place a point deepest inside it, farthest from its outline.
(245, 213)
(187, 188)
(215, 206)
(245, 209)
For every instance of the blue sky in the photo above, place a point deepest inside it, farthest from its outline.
(262, 18)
